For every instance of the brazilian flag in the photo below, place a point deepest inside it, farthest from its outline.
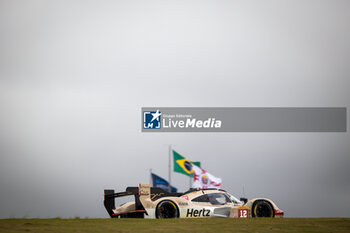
(183, 165)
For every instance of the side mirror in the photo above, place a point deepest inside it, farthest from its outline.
(243, 199)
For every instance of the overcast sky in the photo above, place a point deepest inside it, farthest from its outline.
(75, 74)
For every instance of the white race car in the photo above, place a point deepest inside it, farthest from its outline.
(196, 203)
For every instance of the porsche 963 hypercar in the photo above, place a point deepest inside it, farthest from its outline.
(157, 203)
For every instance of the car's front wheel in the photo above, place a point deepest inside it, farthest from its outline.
(262, 208)
(167, 209)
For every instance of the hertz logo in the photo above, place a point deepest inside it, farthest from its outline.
(198, 213)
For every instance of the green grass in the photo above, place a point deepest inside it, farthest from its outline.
(216, 225)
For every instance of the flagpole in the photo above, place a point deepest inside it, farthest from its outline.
(169, 168)
(190, 183)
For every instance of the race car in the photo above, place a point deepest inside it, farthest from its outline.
(196, 203)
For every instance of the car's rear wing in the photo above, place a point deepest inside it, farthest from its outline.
(109, 195)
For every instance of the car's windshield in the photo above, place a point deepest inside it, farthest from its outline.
(218, 198)
(214, 198)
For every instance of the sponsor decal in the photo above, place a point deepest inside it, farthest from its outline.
(155, 195)
(185, 197)
(198, 213)
(183, 203)
(143, 192)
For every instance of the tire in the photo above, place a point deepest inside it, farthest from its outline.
(167, 209)
(262, 208)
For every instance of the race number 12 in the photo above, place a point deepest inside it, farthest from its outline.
(243, 213)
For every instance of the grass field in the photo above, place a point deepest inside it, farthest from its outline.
(177, 225)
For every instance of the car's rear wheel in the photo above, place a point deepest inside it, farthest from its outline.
(167, 209)
(262, 208)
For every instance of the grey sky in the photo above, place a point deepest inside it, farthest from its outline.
(75, 74)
